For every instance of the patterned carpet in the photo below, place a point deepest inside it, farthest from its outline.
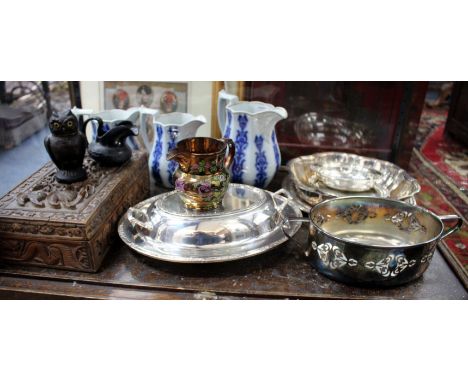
(448, 157)
(441, 167)
(430, 119)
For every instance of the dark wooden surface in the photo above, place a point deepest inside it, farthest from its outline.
(282, 273)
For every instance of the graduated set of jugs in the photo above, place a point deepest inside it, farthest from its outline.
(201, 168)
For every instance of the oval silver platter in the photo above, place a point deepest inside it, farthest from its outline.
(389, 180)
(249, 222)
(306, 201)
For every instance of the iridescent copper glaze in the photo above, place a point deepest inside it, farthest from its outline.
(202, 177)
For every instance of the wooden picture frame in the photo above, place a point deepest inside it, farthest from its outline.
(198, 99)
(179, 90)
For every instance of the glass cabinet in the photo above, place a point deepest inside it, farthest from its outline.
(377, 119)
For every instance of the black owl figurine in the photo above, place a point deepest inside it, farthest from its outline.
(66, 147)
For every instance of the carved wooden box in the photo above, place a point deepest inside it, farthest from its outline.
(49, 224)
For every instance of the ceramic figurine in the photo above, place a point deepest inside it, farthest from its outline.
(66, 147)
(202, 177)
(110, 148)
(251, 125)
(169, 129)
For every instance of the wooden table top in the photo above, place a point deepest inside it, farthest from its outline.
(282, 273)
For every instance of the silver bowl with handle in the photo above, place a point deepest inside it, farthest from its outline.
(373, 241)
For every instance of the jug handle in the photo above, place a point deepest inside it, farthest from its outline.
(143, 127)
(231, 152)
(99, 129)
(174, 154)
(224, 100)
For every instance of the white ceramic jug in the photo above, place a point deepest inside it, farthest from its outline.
(251, 125)
(169, 129)
(109, 118)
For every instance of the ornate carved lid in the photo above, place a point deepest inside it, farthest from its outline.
(42, 198)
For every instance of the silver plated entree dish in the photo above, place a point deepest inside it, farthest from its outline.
(250, 221)
(334, 174)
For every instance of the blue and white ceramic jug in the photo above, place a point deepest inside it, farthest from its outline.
(251, 125)
(169, 129)
(110, 118)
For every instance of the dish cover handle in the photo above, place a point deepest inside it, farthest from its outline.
(136, 217)
(289, 197)
(285, 224)
(455, 228)
(285, 227)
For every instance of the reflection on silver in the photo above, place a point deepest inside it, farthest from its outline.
(250, 221)
(315, 174)
(347, 178)
(306, 200)
(406, 221)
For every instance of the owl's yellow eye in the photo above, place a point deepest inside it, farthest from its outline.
(56, 125)
(69, 124)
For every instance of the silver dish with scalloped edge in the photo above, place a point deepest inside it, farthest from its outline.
(306, 200)
(335, 174)
(250, 221)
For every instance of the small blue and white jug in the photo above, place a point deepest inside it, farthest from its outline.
(110, 119)
(169, 129)
(251, 125)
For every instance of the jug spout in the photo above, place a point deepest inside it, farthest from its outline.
(276, 114)
(118, 134)
(180, 125)
(133, 114)
(192, 126)
(181, 157)
(176, 155)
